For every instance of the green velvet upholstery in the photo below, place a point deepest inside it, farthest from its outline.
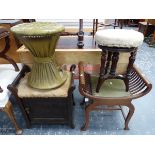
(24, 90)
(41, 38)
(37, 28)
(110, 88)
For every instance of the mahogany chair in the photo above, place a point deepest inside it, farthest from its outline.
(4, 34)
(112, 93)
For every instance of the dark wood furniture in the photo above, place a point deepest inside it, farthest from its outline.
(150, 21)
(127, 22)
(138, 87)
(80, 43)
(8, 23)
(80, 34)
(146, 28)
(4, 34)
(97, 24)
(109, 59)
(51, 110)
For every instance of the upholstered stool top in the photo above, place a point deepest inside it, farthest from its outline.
(37, 28)
(41, 39)
(119, 38)
(7, 76)
(24, 90)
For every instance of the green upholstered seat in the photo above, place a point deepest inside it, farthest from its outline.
(37, 28)
(110, 88)
(24, 90)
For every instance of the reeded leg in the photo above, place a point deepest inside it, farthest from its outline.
(115, 58)
(130, 113)
(9, 111)
(102, 71)
(108, 62)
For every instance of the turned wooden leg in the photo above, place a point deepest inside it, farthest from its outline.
(102, 70)
(8, 109)
(130, 113)
(115, 58)
(108, 62)
(93, 33)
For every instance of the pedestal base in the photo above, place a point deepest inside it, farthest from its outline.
(46, 76)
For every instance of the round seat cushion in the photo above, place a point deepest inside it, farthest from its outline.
(37, 28)
(119, 38)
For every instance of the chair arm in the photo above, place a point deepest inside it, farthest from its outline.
(22, 73)
(139, 72)
(139, 85)
(81, 74)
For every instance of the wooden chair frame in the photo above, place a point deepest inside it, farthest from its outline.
(138, 87)
(8, 109)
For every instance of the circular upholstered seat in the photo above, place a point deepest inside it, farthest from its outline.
(41, 39)
(119, 38)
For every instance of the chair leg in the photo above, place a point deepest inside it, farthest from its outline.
(8, 109)
(130, 113)
(86, 123)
